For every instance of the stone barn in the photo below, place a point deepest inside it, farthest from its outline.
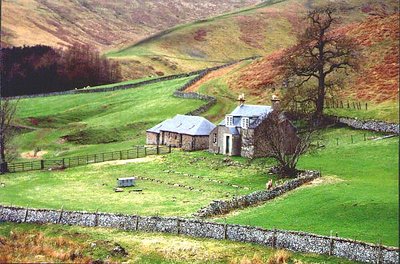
(236, 135)
(182, 131)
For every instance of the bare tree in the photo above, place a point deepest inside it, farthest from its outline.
(8, 109)
(279, 139)
(318, 63)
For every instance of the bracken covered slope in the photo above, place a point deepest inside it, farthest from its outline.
(376, 83)
(104, 24)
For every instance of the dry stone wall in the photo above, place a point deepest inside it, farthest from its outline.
(372, 125)
(201, 74)
(219, 207)
(291, 240)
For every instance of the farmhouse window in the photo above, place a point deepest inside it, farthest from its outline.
(229, 121)
(245, 122)
(215, 138)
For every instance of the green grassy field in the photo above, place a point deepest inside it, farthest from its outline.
(92, 187)
(386, 111)
(98, 122)
(53, 243)
(357, 197)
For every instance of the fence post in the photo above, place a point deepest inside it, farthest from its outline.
(178, 226)
(379, 253)
(137, 151)
(331, 244)
(120, 154)
(96, 218)
(365, 137)
(63, 163)
(26, 214)
(366, 106)
(158, 149)
(145, 152)
(137, 222)
(273, 238)
(61, 213)
(4, 167)
(169, 149)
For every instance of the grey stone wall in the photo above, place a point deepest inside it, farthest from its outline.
(372, 125)
(220, 207)
(194, 142)
(218, 147)
(291, 240)
(248, 147)
(152, 138)
(171, 139)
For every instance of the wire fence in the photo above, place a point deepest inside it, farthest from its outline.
(136, 152)
(347, 139)
(356, 105)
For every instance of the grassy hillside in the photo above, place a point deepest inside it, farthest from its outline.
(92, 187)
(254, 31)
(103, 24)
(259, 30)
(52, 243)
(98, 122)
(357, 197)
(376, 83)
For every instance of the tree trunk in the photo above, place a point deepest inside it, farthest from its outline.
(319, 107)
(3, 164)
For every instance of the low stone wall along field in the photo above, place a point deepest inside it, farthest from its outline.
(294, 241)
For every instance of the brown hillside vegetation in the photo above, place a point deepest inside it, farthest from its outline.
(101, 23)
(377, 80)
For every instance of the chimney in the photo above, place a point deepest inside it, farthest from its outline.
(275, 102)
(241, 99)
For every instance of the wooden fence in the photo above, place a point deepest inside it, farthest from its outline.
(136, 152)
(331, 103)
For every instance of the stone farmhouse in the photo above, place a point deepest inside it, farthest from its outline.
(182, 131)
(235, 135)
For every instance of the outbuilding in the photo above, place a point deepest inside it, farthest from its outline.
(182, 131)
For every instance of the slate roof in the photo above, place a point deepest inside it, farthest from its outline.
(183, 124)
(253, 112)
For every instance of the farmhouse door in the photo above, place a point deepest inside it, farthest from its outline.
(228, 146)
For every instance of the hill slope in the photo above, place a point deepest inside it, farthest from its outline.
(376, 83)
(254, 31)
(259, 30)
(98, 122)
(104, 24)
